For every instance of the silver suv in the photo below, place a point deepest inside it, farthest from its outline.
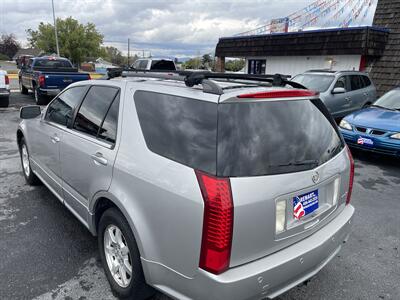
(197, 186)
(343, 92)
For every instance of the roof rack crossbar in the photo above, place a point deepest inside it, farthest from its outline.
(192, 78)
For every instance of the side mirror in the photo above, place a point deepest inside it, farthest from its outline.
(29, 112)
(339, 90)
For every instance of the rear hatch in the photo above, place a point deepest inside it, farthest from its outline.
(279, 153)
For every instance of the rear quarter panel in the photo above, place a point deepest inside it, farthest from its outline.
(162, 198)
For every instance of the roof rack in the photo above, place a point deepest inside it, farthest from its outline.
(192, 78)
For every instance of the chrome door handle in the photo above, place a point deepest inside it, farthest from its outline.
(55, 139)
(347, 99)
(99, 159)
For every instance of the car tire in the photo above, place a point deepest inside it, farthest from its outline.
(5, 101)
(40, 99)
(113, 253)
(30, 177)
(22, 89)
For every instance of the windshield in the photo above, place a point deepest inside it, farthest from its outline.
(318, 83)
(390, 100)
(52, 63)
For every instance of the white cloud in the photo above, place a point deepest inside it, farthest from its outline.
(173, 28)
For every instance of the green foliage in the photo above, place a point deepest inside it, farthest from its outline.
(205, 62)
(8, 46)
(115, 56)
(76, 41)
(234, 65)
(4, 57)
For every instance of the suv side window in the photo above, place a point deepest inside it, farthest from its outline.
(143, 64)
(367, 81)
(61, 109)
(341, 83)
(355, 82)
(108, 130)
(94, 109)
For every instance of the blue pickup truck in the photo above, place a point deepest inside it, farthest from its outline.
(46, 76)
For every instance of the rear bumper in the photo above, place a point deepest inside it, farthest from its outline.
(382, 145)
(50, 92)
(4, 92)
(267, 277)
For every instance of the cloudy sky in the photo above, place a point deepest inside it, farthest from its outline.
(166, 28)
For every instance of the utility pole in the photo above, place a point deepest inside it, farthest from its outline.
(55, 28)
(129, 42)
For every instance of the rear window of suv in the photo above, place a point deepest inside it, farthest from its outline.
(237, 139)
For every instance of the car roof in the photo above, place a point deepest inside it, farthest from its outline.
(327, 72)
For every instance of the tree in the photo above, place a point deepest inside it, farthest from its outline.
(207, 61)
(76, 41)
(234, 65)
(115, 56)
(193, 63)
(9, 45)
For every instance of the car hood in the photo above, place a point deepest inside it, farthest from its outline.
(377, 118)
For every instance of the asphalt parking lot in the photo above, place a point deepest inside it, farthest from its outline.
(47, 254)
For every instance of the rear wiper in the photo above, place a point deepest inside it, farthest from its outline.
(300, 163)
(378, 106)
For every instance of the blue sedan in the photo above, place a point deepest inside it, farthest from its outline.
(376, 128)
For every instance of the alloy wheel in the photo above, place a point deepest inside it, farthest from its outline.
(117, 255)
(25, 160)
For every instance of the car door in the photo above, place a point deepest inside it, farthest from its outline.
(88, 151)
(27, 75)
(339, 103)
(45, 136)
(369, 90)
(357, 93)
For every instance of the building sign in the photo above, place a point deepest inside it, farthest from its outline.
(279, 25)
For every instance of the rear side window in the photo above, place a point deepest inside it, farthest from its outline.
(94, 109)
(366, 80)
(108, 130)
(273, 137)
(162, 65)
(181, 129)
(355, 82)
(143, 64)
(60, 110)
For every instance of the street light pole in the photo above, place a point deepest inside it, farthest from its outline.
(55, 28)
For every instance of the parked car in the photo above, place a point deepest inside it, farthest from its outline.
(162, 64)
(377, 127)
(46, 76)
(4, 89)
(342, 92)
(204, 192)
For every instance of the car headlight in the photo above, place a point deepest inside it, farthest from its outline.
(345, 125)
(395, 136)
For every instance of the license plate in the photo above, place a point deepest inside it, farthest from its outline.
(305, 204)
(365, 141)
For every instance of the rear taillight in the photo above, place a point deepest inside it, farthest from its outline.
(90, 77)
(7, 79)
(217, 223)
(41, 80)
(280, 94)
(351, 176)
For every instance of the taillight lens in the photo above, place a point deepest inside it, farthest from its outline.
(41, 80)
(351, 176)
(7, 80)
(280, 94)
(90, 77)
(217, 224)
